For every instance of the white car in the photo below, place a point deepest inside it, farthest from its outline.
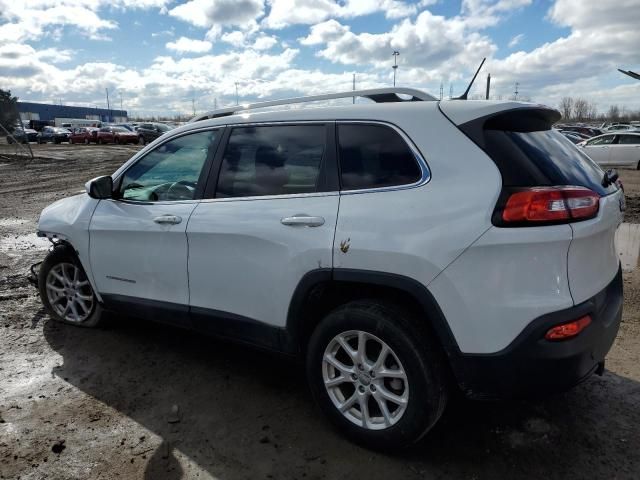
(403, 249)
(619, 149)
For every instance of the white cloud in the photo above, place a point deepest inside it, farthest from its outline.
(265, 42)
(324, 32)
(189, 45)
(219, 13)
(516, 40)
(487, 13)
(284, 13)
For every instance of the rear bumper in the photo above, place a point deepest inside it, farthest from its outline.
(532, 366)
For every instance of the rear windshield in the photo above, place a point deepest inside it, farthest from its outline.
(542, 158)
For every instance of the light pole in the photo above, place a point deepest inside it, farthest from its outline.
(236, 93)
(395, 65)
(108, 106)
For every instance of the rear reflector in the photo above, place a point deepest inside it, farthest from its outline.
(551, 204)
(568, 330)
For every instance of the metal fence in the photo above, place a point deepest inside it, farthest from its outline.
(14, 142)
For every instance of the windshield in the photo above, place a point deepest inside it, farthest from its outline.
(120, 129)
(162, 128)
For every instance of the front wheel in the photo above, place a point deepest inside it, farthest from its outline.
(65, 290)
(377, 373)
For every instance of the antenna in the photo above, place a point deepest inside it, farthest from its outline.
(466, 92)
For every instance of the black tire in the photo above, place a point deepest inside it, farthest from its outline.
(141, 140)
(64, 254)
(116, 141)
(99, 141)
(9, 140)
(638, 166)
(86, 140)
(417, 351)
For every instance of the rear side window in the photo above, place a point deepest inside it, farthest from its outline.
(272, 160)
(629, 140)
(374, 156)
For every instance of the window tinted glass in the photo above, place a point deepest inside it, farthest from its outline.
(272, 160)
(543, 158)
(629, 139)
(169, 172)
(373, 156)
(604, 140)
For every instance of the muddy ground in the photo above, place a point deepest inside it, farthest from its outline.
(99, 404)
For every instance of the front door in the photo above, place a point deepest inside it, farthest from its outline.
(271, 220)
(138, 242)
(599, 149)
(626, 152)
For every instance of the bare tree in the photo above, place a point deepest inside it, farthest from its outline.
(614, 113)
(580, 109)
(566, 107)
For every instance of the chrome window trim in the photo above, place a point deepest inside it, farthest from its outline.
(271, 197)
(425, 176)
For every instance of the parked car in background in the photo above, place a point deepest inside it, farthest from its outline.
(620, 127)
(53, 134)
(573, 136)
(84, 135)
(23, 135)
(148, 132)
(621, 149)
(114, 134)
(584, 130)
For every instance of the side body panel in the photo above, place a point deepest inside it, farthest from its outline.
(505, 280)
(132, 255)
(599, 153)
(418, 231)
(593, 260)
(244, 261)
(68, 219)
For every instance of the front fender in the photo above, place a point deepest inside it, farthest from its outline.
(68, 220)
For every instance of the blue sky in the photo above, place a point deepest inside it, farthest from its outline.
(160, 54)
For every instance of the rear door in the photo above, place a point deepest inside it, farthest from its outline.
(626, 151)
(269, 220)
(138, 241)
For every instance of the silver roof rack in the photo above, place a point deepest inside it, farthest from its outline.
(378, 95)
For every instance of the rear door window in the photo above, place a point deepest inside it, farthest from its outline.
(374, 156)
(629, 140)
(604, 140)
(272, 160)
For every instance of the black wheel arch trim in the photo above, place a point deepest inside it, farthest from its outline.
(407, 285)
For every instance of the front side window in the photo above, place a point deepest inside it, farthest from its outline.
(272, 160)
(374, 156)
(604, 140)
(169, 172)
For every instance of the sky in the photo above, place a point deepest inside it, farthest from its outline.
(167, 57)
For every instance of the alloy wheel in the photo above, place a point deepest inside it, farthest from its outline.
(365, 380)
(69, 292)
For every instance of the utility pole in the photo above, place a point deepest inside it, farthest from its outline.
(193, 105)
(488, 85)
(215, 103)
(450, 91)
(395, 65)
(441, 90)
(122, 109)
(354, 87)
(236, 93)
(516, 92)
(108, 106)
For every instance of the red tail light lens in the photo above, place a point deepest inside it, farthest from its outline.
(568, 330)
(551, 204)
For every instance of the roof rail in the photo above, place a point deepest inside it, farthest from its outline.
(378, 95)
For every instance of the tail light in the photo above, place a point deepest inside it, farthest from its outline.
(568, 330)
(541, 205)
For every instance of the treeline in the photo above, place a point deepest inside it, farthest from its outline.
(582, 110)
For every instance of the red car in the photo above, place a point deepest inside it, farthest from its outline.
(116, 135)
(84, 135)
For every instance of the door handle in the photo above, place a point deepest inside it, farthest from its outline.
(302, 220)
(168, 219)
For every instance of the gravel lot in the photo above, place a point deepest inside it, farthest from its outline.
(140, 400)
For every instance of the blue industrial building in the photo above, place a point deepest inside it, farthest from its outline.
(48, 113)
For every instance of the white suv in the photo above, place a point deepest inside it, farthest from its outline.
(401, 248)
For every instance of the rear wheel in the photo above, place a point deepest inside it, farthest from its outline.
(65, 290)
(377, 373)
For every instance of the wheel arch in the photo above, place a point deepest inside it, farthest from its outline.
(322, 290)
